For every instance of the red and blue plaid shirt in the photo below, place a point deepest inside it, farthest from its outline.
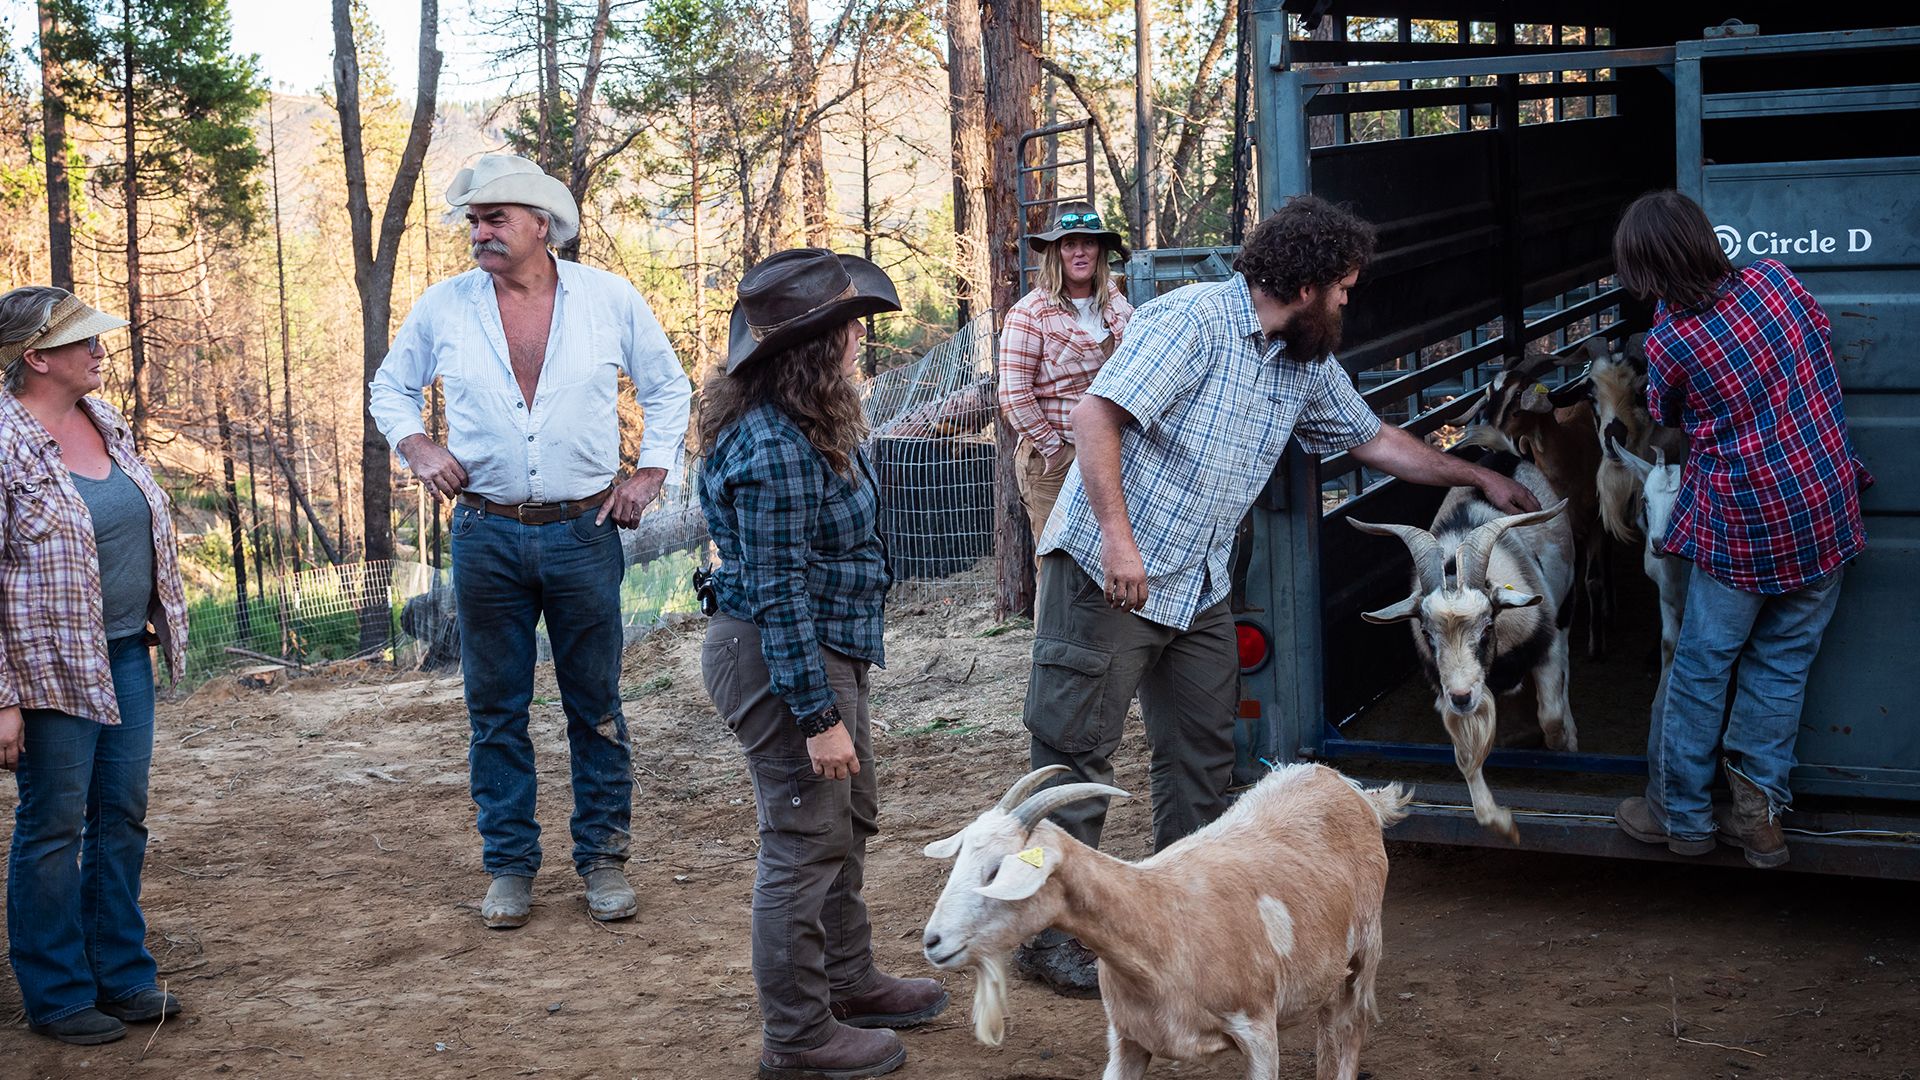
(1770, 497)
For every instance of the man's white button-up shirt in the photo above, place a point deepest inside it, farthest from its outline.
(566, 444)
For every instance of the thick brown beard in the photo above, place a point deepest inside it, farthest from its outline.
(1313, 333)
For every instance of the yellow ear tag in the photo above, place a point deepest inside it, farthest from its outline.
(1034, 857)
(1540, 388)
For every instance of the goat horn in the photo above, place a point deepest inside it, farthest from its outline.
(1031, 812)
(1477, 549)
(1428, 559)
(1026, 785)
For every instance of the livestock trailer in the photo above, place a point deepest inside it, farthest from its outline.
(1495, 143)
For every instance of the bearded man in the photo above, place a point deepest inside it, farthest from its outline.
(531, 349)
(1175, 438)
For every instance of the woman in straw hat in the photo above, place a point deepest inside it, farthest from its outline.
(1052, 344)
(89, 561)
(791, 503)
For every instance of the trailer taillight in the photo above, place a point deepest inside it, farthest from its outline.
(1255, 647)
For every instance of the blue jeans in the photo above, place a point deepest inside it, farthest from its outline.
(75, 935)
(1774, 639)
(506, 576)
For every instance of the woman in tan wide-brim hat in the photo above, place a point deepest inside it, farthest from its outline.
(792, 506)
(1052, 344)
(89, 565)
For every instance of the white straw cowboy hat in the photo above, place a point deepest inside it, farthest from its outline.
(793, 293)
(508, 178)
(70, 320)
(1079, 219)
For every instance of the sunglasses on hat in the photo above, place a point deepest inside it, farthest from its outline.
(1089, 220)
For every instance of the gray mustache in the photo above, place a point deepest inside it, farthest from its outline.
(491, 247)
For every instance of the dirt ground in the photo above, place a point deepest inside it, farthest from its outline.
(313, 882)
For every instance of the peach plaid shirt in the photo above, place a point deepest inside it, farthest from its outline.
(1047, 362)
(53, 645)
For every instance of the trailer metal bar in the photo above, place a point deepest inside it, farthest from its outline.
(1496, 63)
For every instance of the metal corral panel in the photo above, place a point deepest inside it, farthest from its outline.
(1849, 227)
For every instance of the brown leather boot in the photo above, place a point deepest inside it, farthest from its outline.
(891, 1002)
(1750, 823)
(851, 1052)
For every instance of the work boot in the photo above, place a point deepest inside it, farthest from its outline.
(1060, 963)
(509, 902)
(1636, 818)
(851, 1052)
(892, 1002)
(1750, 823)
(88, 1027)
(149, 1004)
(609, 897)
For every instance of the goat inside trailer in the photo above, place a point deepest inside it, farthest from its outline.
(1503, 219)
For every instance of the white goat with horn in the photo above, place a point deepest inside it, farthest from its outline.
(1660, 486)
(1488, 593)
(1266, 916)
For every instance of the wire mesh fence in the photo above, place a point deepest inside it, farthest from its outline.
(933, 450)
(933, 453)
(309, 617)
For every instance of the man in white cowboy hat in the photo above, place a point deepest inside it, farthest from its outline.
(530, 350)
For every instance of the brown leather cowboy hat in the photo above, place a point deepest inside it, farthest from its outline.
(1078, 218)
(793, 293)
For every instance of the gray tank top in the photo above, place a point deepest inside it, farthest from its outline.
(123, 533)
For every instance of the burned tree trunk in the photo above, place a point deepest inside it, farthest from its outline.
(1011, 43)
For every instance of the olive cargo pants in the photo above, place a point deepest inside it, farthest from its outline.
(1088, 661)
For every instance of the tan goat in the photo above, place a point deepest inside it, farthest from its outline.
(1265, 917)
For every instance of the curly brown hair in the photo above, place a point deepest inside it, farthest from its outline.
(804, 381)
(1308, 243)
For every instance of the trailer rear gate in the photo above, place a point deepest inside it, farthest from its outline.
(1803, 147)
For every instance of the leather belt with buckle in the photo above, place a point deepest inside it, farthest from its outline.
(536, 513)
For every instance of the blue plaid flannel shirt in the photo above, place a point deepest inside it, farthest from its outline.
(800, 553)
(1213, 405)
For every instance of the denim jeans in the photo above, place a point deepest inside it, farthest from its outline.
(1774, 639)
(506, 576)
(75, 935)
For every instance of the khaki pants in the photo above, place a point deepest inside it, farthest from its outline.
(1039, 489)
(811, 940)
(1088, 661)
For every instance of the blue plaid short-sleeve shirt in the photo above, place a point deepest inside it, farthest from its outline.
(1213, 405)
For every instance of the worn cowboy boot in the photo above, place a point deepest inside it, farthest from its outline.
(850, 1052)
(892, 1002)
(1060, 963)
(1750, 823)
(509, 902)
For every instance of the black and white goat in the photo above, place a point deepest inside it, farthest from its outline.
(1488, 591)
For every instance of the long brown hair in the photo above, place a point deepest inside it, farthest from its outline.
(1665, 248)
(804, 381)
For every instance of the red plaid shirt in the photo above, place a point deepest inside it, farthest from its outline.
(1047, 362)
(53, 645)
(1770, 497)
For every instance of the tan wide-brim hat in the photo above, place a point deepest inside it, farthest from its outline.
(70, 320)
(508, 178)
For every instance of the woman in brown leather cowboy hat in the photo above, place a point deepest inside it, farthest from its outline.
(1053, 342)
(792, 504)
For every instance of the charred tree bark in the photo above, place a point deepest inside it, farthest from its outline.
(966, 90)
(1010, 40)
(286, 338)
(374, 266)
(242, 618)
(130, 191)
(53, 128)
(806, 90)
